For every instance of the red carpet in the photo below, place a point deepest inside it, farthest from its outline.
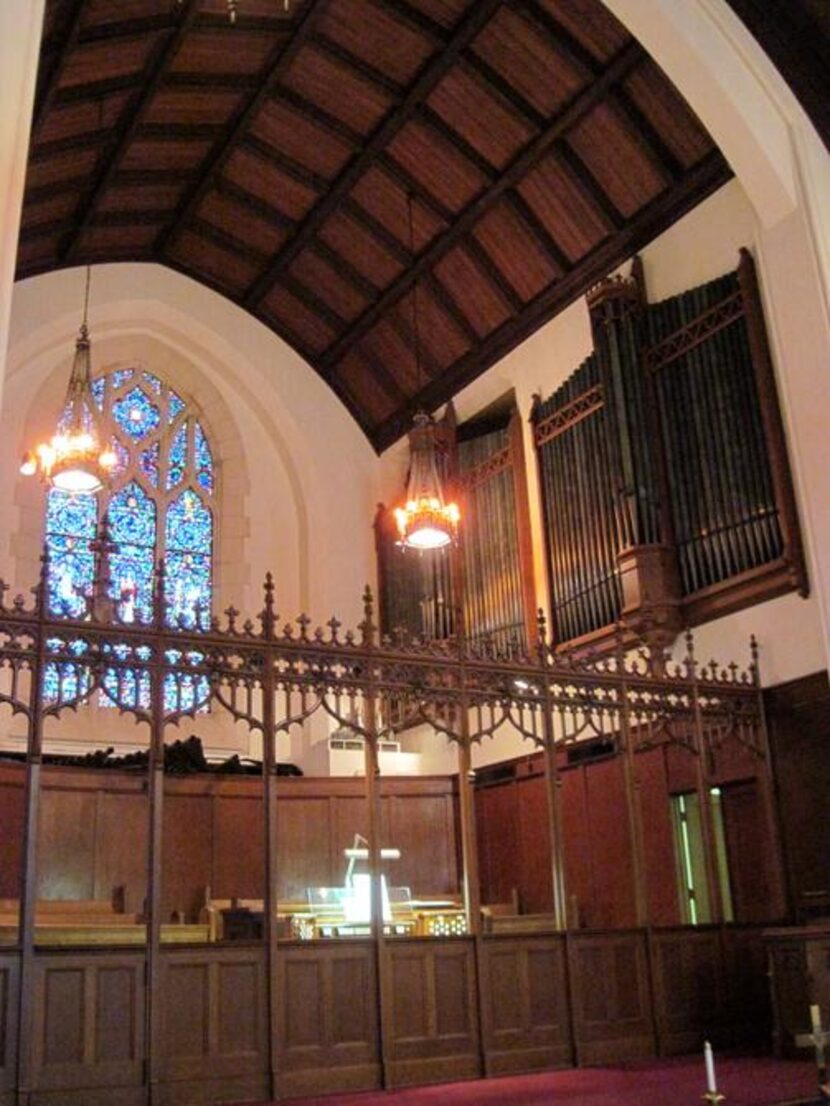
(745, 1081)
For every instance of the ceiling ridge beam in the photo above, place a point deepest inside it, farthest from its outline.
(579, 105)
(279, 61)
(134, 115)
(430, 74)
(710, 173)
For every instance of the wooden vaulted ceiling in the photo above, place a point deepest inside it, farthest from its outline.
(273, 160)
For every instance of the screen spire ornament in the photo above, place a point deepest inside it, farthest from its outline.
(425, 521)
(75, 460)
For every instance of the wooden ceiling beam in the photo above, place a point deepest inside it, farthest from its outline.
(429, 76)
(525, 159)
(709, 174)
(48, 82)
(274, 156)
(258, 94)
(133, 119)
(88, 141)
(226, 240)
(255, 205)
(118, 30)
(96, 90)
(650, 142)
(214, 81)
(318, 115)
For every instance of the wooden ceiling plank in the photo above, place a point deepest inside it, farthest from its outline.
(583, 180)
(44, 230)
(493, 83)
(319, 115)
(650, 142)
(256, 205)
(359, 282)
(491, 272)
(96, 90)
(411, 185)
(539, 231)
(45, 150)
(362, 68)
(579, 106)
(137, 27)
(452, 307)
(128, 178)
(434, 121)
(176, 132)
(133, 116)
(261, 91)
(387, 381)
(47, 90)
(429, 76)
(313, 302)
(219, 82)
(406, 332)
(701, 181)
(47, 191)
(284, 163)
(146, 217)
(573, 51)
(226, 240)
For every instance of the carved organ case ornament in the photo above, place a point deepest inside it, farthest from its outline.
(666, 492)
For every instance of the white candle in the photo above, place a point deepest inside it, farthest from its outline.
(711, 1085)
(815, 1018)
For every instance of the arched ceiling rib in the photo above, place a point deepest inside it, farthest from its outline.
(272, 160)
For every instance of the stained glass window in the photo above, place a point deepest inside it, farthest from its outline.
(157, 506)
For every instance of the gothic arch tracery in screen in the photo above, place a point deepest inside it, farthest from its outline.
(158, 505)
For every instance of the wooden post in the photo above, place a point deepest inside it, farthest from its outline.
(632, 795)
(269, 800)
(373, 800)
(779, 905)
(155, 792)
(702, 786)
(553, 784)
(28, 888)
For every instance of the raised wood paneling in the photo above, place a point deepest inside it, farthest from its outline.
(612, 1015)
(9, 999)
(12, 820)
(328, 1018)
(431, 1026)
(658, 842)
(690, 996)
(212, 1034)
(88, 1029)
(525, 1020)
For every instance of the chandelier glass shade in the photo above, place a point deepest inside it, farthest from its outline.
(426, 521)
(75, 459)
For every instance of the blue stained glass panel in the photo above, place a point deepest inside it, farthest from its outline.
(121, 376)
(132, 519)
(98, 387)
(153, 381)
(127, 687)
(62, 680)
(188, 588)
(136, 414)
(177, 457)
(189, 524)
(175, 406)
(70, 527)
(149, 461)
(204, 459)
(122, 455)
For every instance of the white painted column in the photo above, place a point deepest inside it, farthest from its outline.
(784, 169)
(21, 23)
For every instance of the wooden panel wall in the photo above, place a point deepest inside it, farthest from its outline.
(93, 834)
(88, 1036)
(9, 998)
(799, 725)
(514, 840)
(329, 1018)
(213, 1031)
(431, 1017)
(525, 1012)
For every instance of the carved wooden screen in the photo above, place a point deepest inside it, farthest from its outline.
(576, 450)
(497, 571)
(730, 499)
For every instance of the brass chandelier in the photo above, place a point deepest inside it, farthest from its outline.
(75, 459)
(426, 521)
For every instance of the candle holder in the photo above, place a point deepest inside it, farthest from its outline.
(713, 1098)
